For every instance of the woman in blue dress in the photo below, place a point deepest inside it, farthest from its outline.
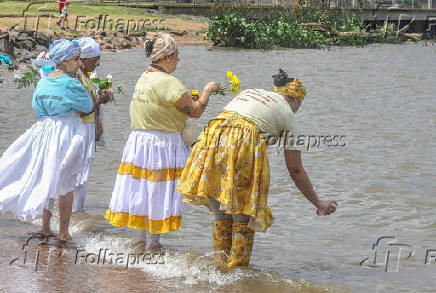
(43, 164)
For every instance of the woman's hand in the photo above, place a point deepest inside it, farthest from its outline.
(105, 96)
(326, 207)
(212, 87)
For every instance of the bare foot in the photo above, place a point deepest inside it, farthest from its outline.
(64, 237)
(222, 266)
(139, 246)
(156, 250)
(46, 233)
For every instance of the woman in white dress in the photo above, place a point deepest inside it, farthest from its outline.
(144, 195)
(43, 164)
(90, 58)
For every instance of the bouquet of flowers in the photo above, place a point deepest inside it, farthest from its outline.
(192, 129)
(106, 83)
(234, 83)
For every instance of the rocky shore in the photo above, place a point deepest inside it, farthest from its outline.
(21, 46)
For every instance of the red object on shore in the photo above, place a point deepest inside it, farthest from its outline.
(61, 4)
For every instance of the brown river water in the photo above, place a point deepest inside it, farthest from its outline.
(380, 98)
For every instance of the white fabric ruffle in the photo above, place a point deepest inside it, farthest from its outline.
(79, 195)
(42, 164)
(151, 197)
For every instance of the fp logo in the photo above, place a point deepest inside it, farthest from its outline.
(387, 253)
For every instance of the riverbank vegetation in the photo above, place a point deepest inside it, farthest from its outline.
(234, 26)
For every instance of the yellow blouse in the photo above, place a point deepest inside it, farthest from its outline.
(153, 105)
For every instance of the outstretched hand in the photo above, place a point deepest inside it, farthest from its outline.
(105, 96)
(326, 207)
(212, 87)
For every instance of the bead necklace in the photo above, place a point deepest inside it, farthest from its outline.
(158, 67)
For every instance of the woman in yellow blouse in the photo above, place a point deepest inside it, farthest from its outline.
(154, 156)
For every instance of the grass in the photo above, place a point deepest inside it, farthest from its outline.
(82, 9)
(86, 10)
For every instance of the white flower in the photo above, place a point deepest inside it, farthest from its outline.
(109, 76)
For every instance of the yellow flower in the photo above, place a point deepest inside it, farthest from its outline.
(236, 85)
(234, 81)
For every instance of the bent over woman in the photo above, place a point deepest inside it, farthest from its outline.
(228, 169)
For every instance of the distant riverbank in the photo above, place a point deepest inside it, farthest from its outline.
(32, 26)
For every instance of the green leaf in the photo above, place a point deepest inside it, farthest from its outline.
(96, 80)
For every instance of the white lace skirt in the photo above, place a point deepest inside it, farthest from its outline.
(42, 164)
(144, 195)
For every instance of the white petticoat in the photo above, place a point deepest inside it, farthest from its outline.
(144, 195)
(80, 191)
(41, 164)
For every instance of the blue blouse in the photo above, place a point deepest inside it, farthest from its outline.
(58, 96)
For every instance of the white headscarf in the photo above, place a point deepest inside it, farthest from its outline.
(90, 48)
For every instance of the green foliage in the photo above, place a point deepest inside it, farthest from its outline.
(29, 78)
(236, 26)
(106, 83)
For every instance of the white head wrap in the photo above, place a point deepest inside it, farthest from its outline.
(90, 48)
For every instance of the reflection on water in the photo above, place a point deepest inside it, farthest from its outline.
(380, 97)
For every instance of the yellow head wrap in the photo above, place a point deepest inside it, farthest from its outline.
(295, 89)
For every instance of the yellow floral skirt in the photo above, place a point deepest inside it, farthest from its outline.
(230, 164)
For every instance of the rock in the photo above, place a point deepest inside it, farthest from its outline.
(25, 56)
(128, 38)
(126, 45)
(137, 40)
(27, 45)
(39, 49)
(109, 46)
(178, 33)
(6, 47)
(43, 40)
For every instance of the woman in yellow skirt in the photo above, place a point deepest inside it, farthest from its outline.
(228, 168)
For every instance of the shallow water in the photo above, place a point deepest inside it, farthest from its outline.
(381, 98)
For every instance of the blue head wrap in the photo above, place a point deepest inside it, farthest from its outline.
(63, 50)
